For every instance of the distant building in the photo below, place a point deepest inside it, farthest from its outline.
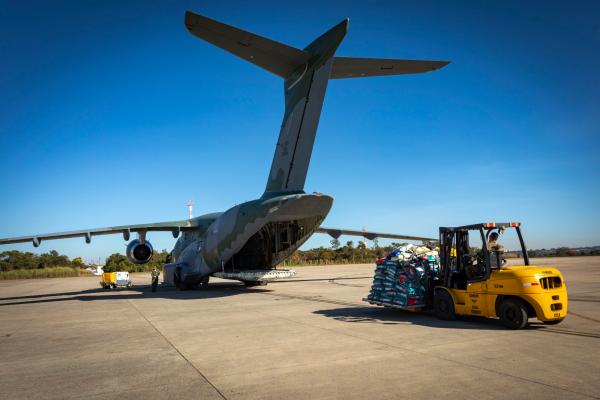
(96, 269)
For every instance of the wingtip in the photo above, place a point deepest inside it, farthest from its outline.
(343, 25)
(189, 19)
(439, 64)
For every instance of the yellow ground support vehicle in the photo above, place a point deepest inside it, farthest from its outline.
(478, 283)
(115, 279)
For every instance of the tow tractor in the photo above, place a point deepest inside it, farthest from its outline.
(113, 280)
(477, 281)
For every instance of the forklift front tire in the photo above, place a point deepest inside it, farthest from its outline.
(443, 305)
(513, 314)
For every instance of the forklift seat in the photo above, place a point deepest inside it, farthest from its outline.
(458, 280)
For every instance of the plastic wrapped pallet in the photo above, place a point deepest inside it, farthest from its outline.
(400, 280)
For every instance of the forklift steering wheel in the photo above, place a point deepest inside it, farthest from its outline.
(468, 259)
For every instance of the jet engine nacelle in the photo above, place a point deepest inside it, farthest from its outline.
(138, 252)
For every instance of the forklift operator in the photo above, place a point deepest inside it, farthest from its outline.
(492, 244)
(496, 250)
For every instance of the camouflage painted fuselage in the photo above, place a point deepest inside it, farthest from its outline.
(261, 233)
(258, 234)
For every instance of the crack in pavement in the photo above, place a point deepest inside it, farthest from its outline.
(476, 367)
(584, 317)
(176, 349)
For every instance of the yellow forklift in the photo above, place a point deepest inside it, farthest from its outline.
(477, 281)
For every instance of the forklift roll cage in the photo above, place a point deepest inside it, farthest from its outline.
(455, 272)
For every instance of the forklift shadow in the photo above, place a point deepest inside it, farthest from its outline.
(388, 316)
(213, 290)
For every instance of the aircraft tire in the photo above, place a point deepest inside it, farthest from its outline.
(177, 279)
(204, 282)
(254, 283)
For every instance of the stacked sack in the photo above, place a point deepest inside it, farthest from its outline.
(400, 280)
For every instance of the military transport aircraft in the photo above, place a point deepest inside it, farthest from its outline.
(249, 240)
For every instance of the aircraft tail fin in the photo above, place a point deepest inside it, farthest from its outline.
(304, 95)
(275, 57)
(305, 73)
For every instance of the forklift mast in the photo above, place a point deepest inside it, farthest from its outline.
(455, 257)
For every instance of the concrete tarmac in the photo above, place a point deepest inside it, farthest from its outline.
(308, 337)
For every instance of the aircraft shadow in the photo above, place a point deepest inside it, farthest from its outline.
(387, 316)
(213, 290)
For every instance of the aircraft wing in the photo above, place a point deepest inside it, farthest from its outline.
(352, 67)
(336, 233)
(175, 227)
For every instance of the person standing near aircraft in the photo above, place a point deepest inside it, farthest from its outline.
(154, 274)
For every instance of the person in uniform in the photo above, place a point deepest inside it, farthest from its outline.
(493, 243)
(496, 250)
(155, 274)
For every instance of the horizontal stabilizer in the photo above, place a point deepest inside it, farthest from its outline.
(275, 57)
(351, 67)
(336, 233)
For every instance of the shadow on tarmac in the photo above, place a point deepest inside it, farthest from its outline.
(386, 316)
(352, 314)
(213, 290)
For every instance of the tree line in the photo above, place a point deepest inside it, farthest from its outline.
(565, 252)
(349, 253)
(120, 262)
(13, 260)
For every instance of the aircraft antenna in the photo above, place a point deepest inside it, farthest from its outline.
(364, 229)
(190, 206)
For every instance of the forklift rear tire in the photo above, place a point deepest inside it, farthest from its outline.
(513, 314)
(443, 305)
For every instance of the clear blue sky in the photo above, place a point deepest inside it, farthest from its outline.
(111, 113)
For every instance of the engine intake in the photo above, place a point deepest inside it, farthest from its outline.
(138, 252)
